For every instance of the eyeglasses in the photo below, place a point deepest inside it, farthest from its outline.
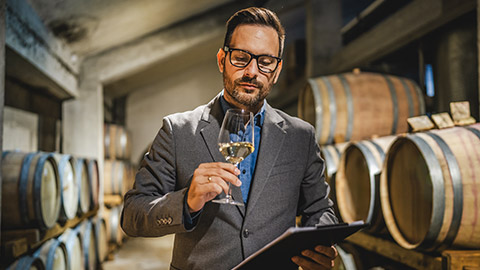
(241, 58)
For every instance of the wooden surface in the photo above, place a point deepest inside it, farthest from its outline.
(112, 200)
(394, 252)
(448, 259)
(462, 259)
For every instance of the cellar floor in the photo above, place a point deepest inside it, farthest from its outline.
(142, 254)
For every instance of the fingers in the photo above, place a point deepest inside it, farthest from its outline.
(321, 258)
(227, 172)
(209, 180)
(217, 182)
(330, 252)
(307, 264)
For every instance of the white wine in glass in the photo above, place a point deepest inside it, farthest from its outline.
(236, 142)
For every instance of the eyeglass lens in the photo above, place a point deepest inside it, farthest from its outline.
(264, 62)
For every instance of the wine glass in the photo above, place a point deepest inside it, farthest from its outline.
(236, 142)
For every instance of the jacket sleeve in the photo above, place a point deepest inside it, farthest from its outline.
(153, 207)
(315, 207)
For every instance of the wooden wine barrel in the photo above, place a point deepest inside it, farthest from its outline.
(112, 219)
(357, 182)
(73, 243)
(27, 262)
(122, 143)
(430, 189)
(331, 154)
(93, 175)
(109, 140)
(117, 142)
(33, 185)
(83, 182)
(352, 107)
(114, 176)
(101, 241)
(53, 253)
(89, 248)
(69, 186)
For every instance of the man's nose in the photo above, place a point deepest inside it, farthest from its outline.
(251, 70)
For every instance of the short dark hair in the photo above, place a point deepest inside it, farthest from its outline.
(257, 16)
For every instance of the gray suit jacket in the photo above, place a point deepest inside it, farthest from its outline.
(288, 181)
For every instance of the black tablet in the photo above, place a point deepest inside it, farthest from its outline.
(278, 253)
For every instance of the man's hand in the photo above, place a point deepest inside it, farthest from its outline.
(320, 258)
(209, 180)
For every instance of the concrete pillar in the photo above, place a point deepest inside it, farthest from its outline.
(2, 87)
(324, 22)
(455, 66)
(82, 120)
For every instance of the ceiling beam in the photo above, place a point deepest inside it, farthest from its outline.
(142, 53)
(411, 22)
(48, 63)
(139, 55)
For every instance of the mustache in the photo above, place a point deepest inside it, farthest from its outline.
(249, 80)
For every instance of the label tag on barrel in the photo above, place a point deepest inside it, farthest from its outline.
(461, 113)
(442, 120)
(420, 123)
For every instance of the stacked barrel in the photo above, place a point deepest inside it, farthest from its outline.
(352, 107)
(48, 195)
(421, 189)
(118, 179)
(430, 189)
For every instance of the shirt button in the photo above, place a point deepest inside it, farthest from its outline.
(246, 233)
(244, 171)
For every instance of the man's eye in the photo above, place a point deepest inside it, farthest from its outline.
(266, 62)
(242, 59)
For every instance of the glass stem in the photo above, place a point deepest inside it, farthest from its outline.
(228, 196)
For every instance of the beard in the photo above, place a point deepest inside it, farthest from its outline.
(244, 96)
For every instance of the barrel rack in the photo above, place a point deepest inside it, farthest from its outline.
(446, 260)
(112, 200)
(15, 243)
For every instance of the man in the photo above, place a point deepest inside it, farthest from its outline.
(184, 169)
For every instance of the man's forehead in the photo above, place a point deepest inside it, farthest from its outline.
(257, 37)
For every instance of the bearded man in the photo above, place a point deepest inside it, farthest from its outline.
(184, 170)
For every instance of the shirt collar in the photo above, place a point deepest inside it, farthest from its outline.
(259, 117)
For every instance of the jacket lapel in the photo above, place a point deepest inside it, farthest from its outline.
(271, 142)
(212, 118)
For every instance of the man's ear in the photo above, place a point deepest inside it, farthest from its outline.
(277, 72)
(221, 60)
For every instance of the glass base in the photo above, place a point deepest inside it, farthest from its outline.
(228, 201)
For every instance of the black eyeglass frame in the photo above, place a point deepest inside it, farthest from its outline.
(227, 49)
